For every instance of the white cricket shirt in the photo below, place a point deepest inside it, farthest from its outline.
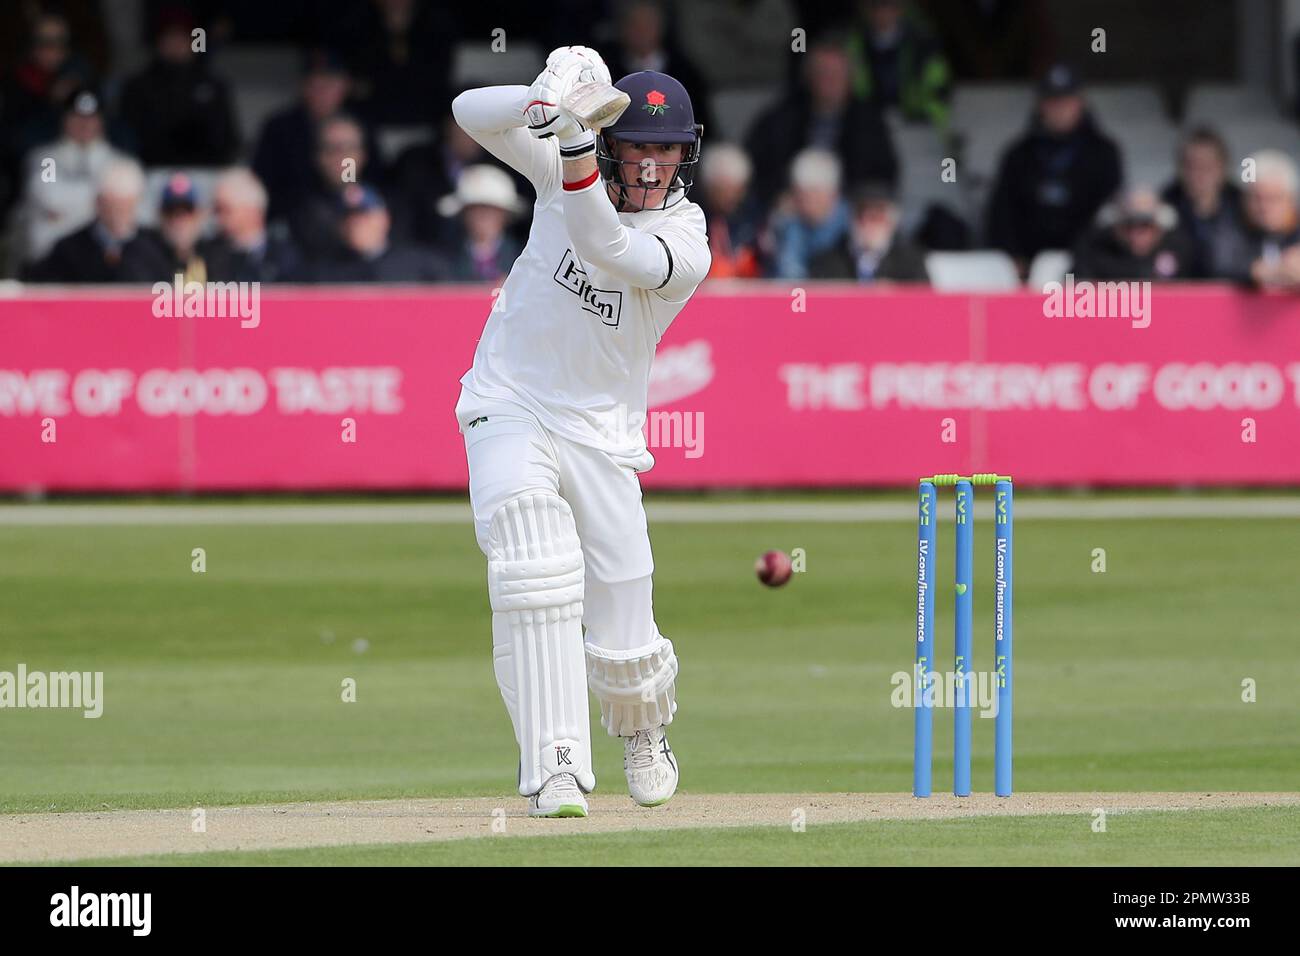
(572, 334)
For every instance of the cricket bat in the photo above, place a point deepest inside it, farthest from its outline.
(596, 105)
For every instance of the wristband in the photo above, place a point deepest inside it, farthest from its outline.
(578, 145)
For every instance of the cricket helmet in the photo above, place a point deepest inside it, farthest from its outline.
(660, 111)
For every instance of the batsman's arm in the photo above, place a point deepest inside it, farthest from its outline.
(598, 237)
(672, 261)
(493, 116)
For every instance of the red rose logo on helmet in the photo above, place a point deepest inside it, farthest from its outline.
(654, 103)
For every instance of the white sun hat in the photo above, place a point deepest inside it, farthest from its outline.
(482, 186)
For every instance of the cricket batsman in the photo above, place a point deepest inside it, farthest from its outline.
(552, 409)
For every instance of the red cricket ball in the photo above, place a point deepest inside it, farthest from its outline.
(773, 568)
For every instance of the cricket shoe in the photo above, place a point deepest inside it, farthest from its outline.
(560, 796)
(650, 767)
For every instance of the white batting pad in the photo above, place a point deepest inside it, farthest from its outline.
(635, 687)
(535, 581)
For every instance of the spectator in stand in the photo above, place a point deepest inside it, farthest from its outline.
(642, 46)
(33, 96)
(873, 250)
(112, 248)
(367, 254)
(1136, 237)
(821, 114)
(285, 157)
(180, 221)
(244, 248)
(897, 64)
(62, 177)
(423, 175)
(813, 218)
(180, 113)
(732, 216)
(404, 55)
(1270, 256)
(485, 201)
(1207, 203)
(341, 160)
(1054, 179)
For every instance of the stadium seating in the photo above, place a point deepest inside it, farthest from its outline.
(1149, 149)
(1122, 103)
(921, 152)
(474, 62)
(1248, 136)
(734, 111)
(987, 270)
(1050, 265)
(986, 118)
(1213, 103)
(263, 79)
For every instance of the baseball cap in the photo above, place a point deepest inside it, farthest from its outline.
(1060, 80)
(179, 193)
(83, 101)
(358, 198)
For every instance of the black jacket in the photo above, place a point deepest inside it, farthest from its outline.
(862, 142)
(902, 262)
(285, 158)
(1049, 188)
(398, 263)
(277, 261)
(81, 257)
(1101, 256)
(181, 116)
(1218, 239)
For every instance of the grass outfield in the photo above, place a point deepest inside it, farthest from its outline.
(225, 687)
(1261, 836)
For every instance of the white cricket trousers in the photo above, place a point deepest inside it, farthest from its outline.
(510, 453)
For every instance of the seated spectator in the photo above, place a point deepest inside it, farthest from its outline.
(423, 174)
(642, 45)
(732, 217)
(485, 201)
(285, 157)
(897, 64)
(112, 248)
(1054, 179)
(1136, 238)
(1270, 256)
(244, 249)
(180, 221)
(180, 113)
(813, 218)
(873, 250)
(341, 160)
(823, 114)
(1207, 203)
(367, 254)
(62, 177)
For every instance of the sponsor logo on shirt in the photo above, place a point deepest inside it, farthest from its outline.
(605, 304)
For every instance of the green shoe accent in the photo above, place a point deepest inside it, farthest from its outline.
(567, 810)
